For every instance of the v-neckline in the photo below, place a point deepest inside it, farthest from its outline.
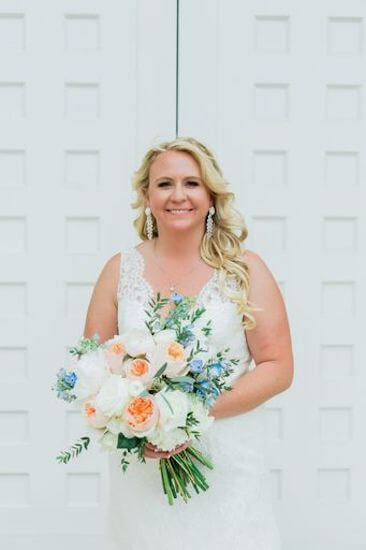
(153, 292)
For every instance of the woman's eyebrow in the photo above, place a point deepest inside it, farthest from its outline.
(186, 178)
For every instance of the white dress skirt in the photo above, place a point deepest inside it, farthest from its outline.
(236, 511)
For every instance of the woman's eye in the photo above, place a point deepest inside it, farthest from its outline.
(193, 183)
(163, 183)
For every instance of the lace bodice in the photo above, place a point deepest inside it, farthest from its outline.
(134, 292)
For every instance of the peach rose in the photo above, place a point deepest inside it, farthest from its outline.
(141, 415)
(114, 354)
(93, 415)
(140, 369)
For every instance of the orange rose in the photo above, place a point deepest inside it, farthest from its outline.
(141, 415)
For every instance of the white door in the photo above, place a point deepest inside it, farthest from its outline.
(84, 87)
(277, 89)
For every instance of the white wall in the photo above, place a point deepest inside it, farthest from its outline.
(277, 89)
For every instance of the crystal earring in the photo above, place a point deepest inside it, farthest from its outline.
(149, 223)
(209, 221)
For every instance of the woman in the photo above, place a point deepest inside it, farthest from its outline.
(191, 243)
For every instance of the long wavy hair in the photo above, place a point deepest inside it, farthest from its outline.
(223, 249)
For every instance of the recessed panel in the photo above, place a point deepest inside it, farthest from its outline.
(271, 101)
(12, 100)
(77, 298)
(272, 33)
(82, 32)
(343, 102)
(82, 489)
(13, 364)
(338, 298)
(12, 234)
(14, 427)
(334, 484)
(82, 235)
(12, 33)
(12, 168)
(336, 361)
(82, 101)
(269, 233)
(340, 234)
(82, 169)
(344, 35)
(13, 300)
(335, 424)
(276, 477)
(14, 489)
(270, 168)
(341, 169)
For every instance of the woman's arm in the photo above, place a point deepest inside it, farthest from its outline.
(102, 311)
(269, 344)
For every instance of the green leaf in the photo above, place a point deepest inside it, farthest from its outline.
(127, 442)
(161, 370)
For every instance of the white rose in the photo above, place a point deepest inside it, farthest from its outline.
(167, 441)
(92, 371)
(135, 387)
(165, 336)
(109, 441)
(137, 342)
(117, 425)
(113, 395)
(173, 407)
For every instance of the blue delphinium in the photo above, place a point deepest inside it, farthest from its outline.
(64, 384)
(176, 297)
(187, 386)
(196, 365)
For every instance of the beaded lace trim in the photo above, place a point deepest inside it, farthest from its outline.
(133, 285)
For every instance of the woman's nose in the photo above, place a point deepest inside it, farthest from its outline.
(178, 192)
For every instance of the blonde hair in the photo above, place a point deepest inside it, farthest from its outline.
(223, 249)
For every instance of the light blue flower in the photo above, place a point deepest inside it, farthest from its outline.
(70, 379)
(196, 365)
(176, 297)
(216, 369)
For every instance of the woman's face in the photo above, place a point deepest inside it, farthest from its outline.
(177, 196)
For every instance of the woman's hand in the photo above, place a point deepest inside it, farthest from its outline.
(151, 451)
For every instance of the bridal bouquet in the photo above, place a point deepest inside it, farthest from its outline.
(153, 385)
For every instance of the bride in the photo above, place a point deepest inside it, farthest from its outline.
(191, 243)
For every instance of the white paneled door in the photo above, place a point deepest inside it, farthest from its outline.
(278, 89)
(84, 87)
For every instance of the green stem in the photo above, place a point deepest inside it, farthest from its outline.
(182, 490)
(166, 483)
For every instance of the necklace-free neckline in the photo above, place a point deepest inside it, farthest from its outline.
(154, 292)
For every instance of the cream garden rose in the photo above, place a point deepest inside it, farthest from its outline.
(173, 354)
(93, 415)
(115, 352)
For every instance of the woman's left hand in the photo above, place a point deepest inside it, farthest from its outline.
(152, 451)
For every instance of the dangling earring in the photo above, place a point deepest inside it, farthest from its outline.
(149, 223)
(209, 221)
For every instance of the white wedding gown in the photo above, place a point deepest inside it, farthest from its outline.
(236, 511)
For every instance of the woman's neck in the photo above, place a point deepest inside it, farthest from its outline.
(178, 246)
